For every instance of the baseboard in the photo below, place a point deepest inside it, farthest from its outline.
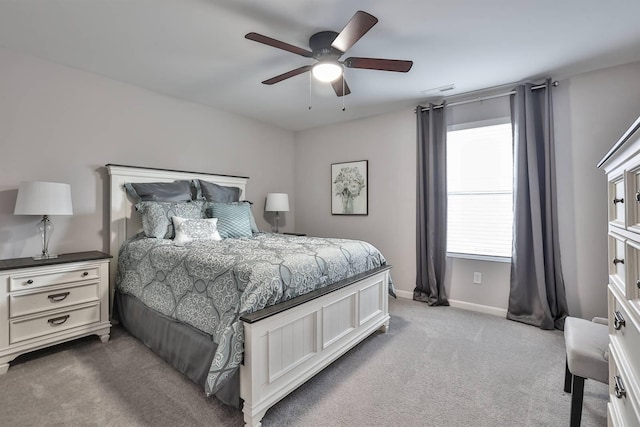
(463, 305)
(404, 294)
(502, 312)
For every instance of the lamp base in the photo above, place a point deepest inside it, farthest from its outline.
(46, 228)
(47, 256)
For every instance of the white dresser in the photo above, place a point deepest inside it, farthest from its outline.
(622, 166)
(47, 302)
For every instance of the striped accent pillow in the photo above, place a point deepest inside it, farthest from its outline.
(234, 220)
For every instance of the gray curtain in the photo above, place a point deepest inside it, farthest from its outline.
(537, 296)
(431, 213)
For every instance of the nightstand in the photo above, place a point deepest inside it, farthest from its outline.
(46, 302)
(295, 234)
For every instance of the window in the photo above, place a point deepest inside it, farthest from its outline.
(480, 189)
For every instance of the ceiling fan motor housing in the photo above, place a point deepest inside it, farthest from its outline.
(320, 44)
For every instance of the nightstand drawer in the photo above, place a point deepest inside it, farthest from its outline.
(20, 305)
(35, 326)
(36, 279)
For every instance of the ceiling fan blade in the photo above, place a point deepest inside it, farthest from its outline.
(277, 43)
(287, 75)
(379, 64)
(337, 86)
(357, 27)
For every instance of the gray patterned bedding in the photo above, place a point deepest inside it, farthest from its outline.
(211, 284)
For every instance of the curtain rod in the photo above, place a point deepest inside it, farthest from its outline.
(485, 98)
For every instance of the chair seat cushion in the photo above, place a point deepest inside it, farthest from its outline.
(587, 344)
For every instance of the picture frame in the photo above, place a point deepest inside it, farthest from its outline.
(350, 188)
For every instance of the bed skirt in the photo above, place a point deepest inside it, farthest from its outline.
(185, 348)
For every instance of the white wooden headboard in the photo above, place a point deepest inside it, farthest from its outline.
(125, 222)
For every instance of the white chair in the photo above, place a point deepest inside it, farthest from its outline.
(587, 344)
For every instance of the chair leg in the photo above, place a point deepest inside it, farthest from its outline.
(576, 401)
(567, 378)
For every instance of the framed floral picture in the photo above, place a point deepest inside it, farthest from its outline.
(350, 188)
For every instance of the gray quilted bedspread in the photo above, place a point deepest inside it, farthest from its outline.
(210, 284)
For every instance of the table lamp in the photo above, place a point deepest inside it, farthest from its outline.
(44, 198)
(277, 202)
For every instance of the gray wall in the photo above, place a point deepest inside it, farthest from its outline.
(591, 112)
(388, 143)
(61, 124)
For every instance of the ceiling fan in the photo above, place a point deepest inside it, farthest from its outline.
(327, 47)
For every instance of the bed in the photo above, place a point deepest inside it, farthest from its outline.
(277, 308)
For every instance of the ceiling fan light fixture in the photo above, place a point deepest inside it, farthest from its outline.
(327, 47)
(327, 71)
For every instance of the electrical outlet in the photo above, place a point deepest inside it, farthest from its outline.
(477, 278)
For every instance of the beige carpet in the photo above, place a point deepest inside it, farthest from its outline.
(435, 367)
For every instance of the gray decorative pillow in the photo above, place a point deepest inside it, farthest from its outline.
(216, 193)
(156, 216)
(178, 191)
(233, 219)
(195, 229)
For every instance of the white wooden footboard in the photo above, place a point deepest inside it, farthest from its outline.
(289, 343)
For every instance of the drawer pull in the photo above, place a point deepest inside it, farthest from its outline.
(58, 320)
(618, 321)
(58, 297)
(619, 388)
(616, 201)
(29, 282)
(638, 284)
(637, 196)
(85, 274)
(618, 261)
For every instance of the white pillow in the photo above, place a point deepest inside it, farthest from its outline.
(195, 229)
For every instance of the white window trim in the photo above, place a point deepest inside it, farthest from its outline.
(477, 257)
(469, 125)
(479, 124)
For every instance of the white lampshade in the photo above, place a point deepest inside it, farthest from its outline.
(327, 71)
(43, 198)
(277, 202)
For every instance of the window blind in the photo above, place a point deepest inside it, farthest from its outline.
(480, 195)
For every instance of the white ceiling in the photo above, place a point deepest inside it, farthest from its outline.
(196, 50)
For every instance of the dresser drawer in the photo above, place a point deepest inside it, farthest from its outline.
(22, 304)
(617, 201)
(632, 199)
(40, 278)
(617, 269)
(623, 330)
(632, 268)
(623, 402)
(28, 327)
